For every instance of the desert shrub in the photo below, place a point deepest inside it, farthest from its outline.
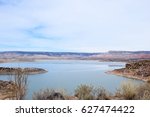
(148, 81)
(84, 92)
(101, 94)
(143, 92)
(48, 94)
(127, 91)
(20, 79)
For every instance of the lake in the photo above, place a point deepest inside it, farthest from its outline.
(68, 74)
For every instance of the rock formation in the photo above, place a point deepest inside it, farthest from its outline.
(137, 70)
(6, 89)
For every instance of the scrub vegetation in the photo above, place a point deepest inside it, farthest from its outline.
(126, 91)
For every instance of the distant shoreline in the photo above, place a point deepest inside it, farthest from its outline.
(112, 56)
(28, 71)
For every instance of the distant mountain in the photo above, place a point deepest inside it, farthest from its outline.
(129, 52)
(105, 56)
(47, 53)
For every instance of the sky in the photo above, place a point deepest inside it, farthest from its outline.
(74, 25)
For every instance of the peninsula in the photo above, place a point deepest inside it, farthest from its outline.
(137, 70)
(11, 71)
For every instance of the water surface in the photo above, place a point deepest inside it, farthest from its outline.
(68, 74)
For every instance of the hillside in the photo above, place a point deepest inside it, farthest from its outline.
(137, 70)
(10, 56)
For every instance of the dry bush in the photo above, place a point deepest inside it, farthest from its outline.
(20, 80)
(101, 94)
(84, 92)
(127, 91)
(143, 92)
(49, 94)
(148, 81)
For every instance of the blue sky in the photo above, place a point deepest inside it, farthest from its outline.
(74, 25)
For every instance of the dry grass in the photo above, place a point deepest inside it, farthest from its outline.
(127, 90)
(143, 92)
(84, 92)
(101, 94)
(49, 94)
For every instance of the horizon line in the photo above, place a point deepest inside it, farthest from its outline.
(76, 52)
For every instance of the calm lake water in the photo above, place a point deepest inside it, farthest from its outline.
(68, 74)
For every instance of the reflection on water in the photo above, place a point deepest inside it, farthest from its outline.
(68, 74)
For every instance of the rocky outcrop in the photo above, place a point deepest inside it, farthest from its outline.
(8, 70)
(6, 85)
(137, 70)
(7, 89)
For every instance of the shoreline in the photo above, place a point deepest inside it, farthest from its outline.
(129, 76)
(28, 71)
(139, 70)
